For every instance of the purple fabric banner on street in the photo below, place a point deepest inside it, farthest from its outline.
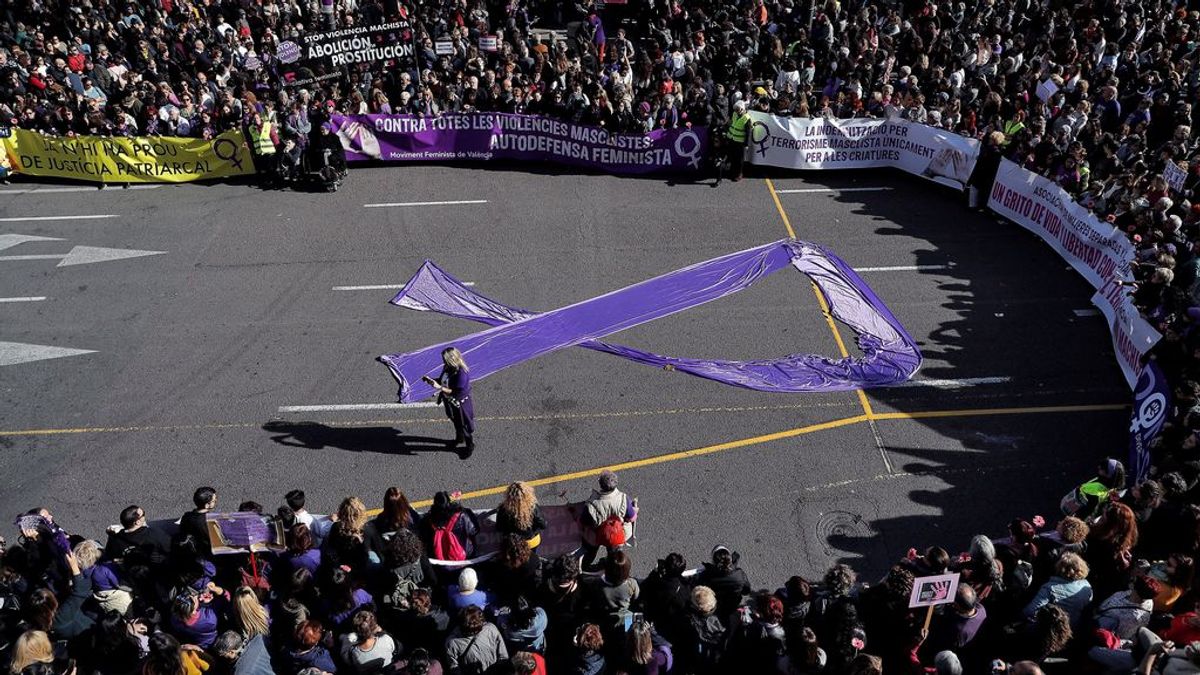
(517, 335)
(502, 136)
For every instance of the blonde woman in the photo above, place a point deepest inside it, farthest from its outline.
(249, 616)
(346, 543)
(453, 389)
(32, 647)
(519, 514)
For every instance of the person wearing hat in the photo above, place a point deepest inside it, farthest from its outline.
(728, 581)
(738, 135)
(606, 503)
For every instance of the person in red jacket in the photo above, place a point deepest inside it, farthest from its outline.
(528, 663)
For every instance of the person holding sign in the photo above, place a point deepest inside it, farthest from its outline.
(453, 389)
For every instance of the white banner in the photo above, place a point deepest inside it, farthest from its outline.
(802, 143)
(1096, 249)
(1132, 335)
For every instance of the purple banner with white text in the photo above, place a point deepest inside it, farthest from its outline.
(503, 136)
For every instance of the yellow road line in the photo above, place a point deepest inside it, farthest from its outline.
(670, 457)
(837, 334)
(429, 420)
(779, 205)
(983, 412)
(790, 433)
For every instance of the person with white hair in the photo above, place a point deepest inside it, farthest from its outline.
(467, 592)
(737, 136)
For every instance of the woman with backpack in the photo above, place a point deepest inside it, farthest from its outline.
(405, 569)
(449, 530)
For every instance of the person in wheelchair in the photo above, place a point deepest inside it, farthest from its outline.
(327, 151)
(288, 167)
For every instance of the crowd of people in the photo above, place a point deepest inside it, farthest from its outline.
(1109, 589)
(1096, 95)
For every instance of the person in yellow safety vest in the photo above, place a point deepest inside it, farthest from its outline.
(263, 139)
(738, 134)
(1014, 126)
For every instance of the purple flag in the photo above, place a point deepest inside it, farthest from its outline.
(891, 355)
(1151, 406)
(488, 136)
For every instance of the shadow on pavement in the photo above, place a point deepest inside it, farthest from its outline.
(384, 440)
(988, 299)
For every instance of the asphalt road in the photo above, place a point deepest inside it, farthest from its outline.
(195, 350)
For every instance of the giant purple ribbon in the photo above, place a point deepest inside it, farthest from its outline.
(890, 353)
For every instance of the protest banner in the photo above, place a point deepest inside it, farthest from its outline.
(1096, 249)
(502, 136)
(1151, 404)
(1132, 335)
(116, 159)
(803, 143)
(1174, 176)
(562, 535)
(321, 56)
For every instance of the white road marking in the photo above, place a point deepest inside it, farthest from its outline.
(28, 218)
(451, 203)
(11, 240)
(12, 353)
(84, 255)
(382, 287)
(1090, 311)
(355, 406)
(903, 268)
(31, 298)
(955, 384)
(795, 191)
(49, 190)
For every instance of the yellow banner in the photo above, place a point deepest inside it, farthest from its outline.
(145, 159)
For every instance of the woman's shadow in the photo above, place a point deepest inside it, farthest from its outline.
(387, 440)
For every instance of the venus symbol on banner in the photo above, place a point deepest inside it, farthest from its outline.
(692, 154)
(763, 142)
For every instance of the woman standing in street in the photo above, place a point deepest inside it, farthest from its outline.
(453, 388)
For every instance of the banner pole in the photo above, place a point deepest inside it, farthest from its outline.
(928, 618)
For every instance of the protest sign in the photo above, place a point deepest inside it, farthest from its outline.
(443, 47)
(240, 532)
(1046, 90)
(932, 591)
(501, 136)
(488, 43)
(321, 56)
(1174, 176)
(935, 590)
(803, 143)
(116, 159)
(1096, 249)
